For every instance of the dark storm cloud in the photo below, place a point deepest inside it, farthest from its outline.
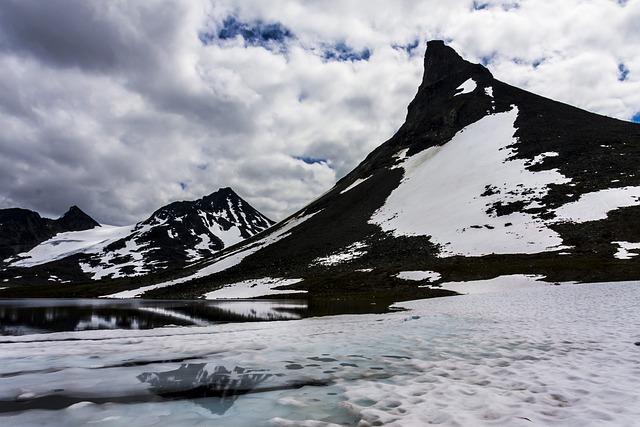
(60, 32)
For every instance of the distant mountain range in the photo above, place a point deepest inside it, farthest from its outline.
(77, 248)
(483, 179)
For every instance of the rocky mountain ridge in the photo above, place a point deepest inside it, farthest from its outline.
(173, 236)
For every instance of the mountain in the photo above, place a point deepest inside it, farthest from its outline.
(22, 229)
(173, 236)
(483, 179)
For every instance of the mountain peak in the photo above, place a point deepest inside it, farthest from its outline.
(443, 65)
(75, 220)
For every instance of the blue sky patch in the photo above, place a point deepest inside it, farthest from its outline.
(410, 48)
(486, 60)
(636, 117)
(254, 33)
(510, 6)
(312, 160)
(480, 5)
(183, 185)
(623, 72)
(342, 52)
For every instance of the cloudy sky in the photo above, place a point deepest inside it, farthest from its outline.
(121, 107)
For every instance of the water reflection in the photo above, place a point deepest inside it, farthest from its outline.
(29, 316)
(199, 381)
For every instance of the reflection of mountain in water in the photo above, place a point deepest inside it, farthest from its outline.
(41, 316)
(194, 381)
(259, 310)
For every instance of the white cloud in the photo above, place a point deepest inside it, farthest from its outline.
(111, 106)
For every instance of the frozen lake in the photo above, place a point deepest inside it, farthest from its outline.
(544, 355)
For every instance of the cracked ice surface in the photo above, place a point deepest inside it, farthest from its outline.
(549, 355)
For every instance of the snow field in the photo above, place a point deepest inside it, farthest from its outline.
(459, 182)
(546, 355)
(451, 180)
(65, 244)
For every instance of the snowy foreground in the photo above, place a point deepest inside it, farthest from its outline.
(542, 355)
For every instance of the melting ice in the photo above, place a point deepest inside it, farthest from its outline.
(544, 355)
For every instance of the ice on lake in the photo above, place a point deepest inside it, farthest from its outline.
(545, 355)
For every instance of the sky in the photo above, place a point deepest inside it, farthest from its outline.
(122, 107)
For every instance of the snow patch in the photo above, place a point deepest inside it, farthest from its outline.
(349, 253)
(489, 91)
(467, 87)
(497, 284)
(419, 275)
(254, 288)
(355, 184)
(540, 157)
(625, 248)
(596, 205)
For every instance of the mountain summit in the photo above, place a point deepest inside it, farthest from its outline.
(482, 180)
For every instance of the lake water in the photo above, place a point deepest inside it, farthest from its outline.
(32, 316)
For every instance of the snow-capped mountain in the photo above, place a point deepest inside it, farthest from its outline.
(175, 235)
(482, 180)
